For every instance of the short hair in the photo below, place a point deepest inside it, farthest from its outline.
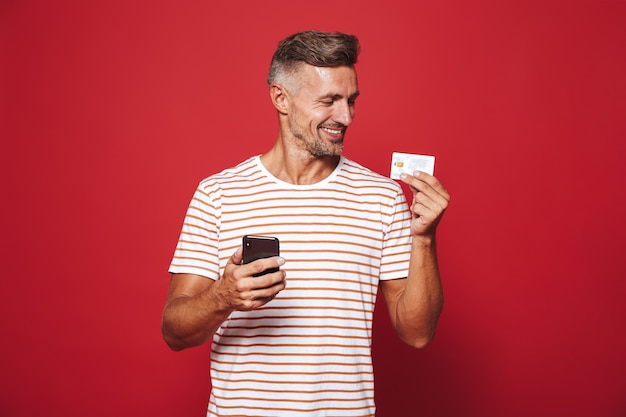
(319, 49)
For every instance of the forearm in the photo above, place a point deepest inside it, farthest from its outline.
(419, 305)
(190, 321)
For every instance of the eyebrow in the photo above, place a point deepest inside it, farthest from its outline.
(339, 96)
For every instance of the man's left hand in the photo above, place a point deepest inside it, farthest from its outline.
(430, 200)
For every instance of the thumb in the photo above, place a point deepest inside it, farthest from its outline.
(236, 258)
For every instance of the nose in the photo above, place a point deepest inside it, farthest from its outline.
(344, 112)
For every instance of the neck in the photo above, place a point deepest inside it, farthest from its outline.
(298, 168)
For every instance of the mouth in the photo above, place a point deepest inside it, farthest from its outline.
(334, 132)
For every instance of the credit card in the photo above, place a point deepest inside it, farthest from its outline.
(408, 163)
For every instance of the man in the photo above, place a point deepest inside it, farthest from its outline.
(303, 348)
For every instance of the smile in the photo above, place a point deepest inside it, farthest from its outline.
(332, 131)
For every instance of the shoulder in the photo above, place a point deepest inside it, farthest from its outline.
(359, 175)
(244, 171)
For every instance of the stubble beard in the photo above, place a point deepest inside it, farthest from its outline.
(316, 146)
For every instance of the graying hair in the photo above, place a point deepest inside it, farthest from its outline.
(320, 49)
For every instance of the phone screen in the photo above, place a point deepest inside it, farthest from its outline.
(257, 247)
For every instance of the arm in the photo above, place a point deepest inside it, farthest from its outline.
(415, 303)
(196, 306)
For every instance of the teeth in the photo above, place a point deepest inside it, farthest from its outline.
(333, 131)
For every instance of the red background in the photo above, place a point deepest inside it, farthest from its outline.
(111, 113)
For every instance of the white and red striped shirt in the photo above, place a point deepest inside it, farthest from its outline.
(307, 352)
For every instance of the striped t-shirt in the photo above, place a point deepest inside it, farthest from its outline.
(307, 352)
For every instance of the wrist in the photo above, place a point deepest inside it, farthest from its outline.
(217, 299)
(423, 241)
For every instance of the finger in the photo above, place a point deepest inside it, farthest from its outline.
(433, 202)
(422, 181)
(236, 257)
(264, 264)
(276, 283)
(265, 289)
(424, 213)
(429, 186)
(419, 209)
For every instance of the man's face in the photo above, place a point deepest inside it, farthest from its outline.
(322, 108)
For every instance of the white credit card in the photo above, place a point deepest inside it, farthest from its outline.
(409, 163)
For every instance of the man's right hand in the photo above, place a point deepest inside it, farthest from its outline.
(240, 290)
(196, 306)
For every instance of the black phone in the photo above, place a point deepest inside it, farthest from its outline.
(257, 247)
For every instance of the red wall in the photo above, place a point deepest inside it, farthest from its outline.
(111, 112)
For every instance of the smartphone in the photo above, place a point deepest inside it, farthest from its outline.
(257, 247)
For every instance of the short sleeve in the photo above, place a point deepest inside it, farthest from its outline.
(197, 248)
(397, 240)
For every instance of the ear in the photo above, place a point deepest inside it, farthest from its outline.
(280, 98)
